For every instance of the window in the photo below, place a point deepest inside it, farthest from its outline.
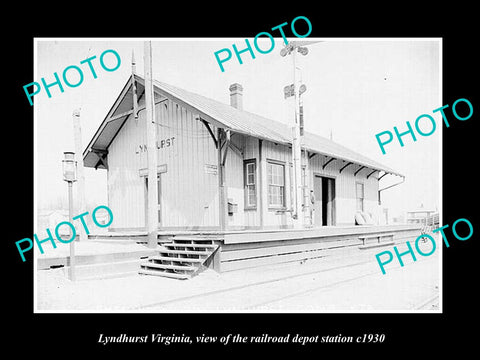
(276, 184)
(250, 181)
(360, 196)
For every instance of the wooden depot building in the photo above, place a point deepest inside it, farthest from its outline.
(225, 182)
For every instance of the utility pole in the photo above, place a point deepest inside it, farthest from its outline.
(69, 167)
(295, 90)
(152, 182)
(134, 89)
(72, 243)
(77, 135)
(298, 89)
(296, 149)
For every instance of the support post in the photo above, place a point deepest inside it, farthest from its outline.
(296, 151)
(77, 135)
(72, 243)
(345, 166)
(374, 171)
(261, 191)
(356, 172)
(328, 162)
(134, 88)
(152, 195)
(306, 192)
(222, 198)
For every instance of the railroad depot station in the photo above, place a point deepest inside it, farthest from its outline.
(225, 185)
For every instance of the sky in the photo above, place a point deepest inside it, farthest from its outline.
(356, 88)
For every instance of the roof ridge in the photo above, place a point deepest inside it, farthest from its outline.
(282, 133)
(233, 109)
(248, 112)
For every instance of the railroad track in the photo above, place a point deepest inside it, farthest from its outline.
(246, 286)
(279, 293)
(431, 303)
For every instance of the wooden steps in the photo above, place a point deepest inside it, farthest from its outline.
(161, 259)
(182, 258)
(184, 252)
(171, 267)
(185, 245)
(165, 274)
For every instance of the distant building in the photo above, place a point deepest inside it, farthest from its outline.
(423, 216)
(400, 219)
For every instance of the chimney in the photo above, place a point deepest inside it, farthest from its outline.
(236, 96)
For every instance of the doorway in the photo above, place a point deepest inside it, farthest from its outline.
(159, 197)
(324, 205)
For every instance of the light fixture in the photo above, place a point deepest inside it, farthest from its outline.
(69, 167)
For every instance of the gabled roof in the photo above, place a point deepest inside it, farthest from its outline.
(218, 114)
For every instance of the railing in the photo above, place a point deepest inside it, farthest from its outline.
(432, 220)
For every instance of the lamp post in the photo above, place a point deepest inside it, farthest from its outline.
(80, 171)
(69, 166)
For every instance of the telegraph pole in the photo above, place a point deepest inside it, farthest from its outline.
(296, 149)
(291, 49)
(152, 182)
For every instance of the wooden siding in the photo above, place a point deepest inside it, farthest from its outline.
(266, 248)
(189, 187)
(234, 181)
(125, 187)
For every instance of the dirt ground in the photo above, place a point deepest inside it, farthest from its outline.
(353, 284)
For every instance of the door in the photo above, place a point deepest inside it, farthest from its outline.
(324, 205)
(329, 195)
(159, 197)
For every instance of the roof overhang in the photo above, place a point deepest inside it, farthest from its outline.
(97, 149)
